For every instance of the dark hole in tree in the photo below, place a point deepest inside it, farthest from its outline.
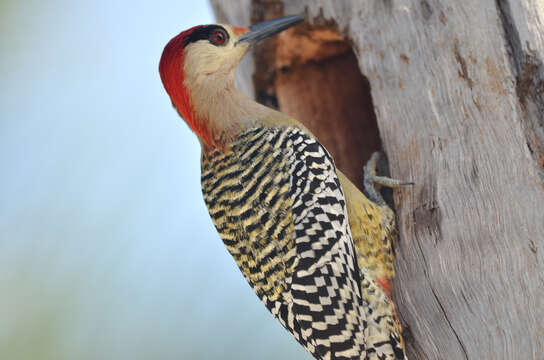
(318, 82)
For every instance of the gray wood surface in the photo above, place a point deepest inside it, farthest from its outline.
(458, 94)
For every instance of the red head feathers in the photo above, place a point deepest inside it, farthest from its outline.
(172, 76)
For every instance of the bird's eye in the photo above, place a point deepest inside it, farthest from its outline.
(218, 37)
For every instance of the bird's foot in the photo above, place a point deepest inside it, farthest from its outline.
(373, 182)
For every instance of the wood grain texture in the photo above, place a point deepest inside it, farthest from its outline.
(458, 93)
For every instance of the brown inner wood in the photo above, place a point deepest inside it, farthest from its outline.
(318, 82)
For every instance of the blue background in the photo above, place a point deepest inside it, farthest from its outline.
(106, 248)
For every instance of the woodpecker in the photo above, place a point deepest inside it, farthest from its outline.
(316, 250)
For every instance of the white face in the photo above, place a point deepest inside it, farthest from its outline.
(209, 64)
(215, 56)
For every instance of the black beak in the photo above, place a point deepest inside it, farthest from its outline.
(269, 28)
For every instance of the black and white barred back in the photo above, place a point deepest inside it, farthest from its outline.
(276, 201)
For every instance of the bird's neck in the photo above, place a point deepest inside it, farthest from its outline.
(221, 110)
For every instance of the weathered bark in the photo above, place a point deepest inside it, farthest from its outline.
(458, 96)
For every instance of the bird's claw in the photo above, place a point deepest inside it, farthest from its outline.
(373, 182)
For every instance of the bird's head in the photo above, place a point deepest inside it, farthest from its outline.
(197, 68)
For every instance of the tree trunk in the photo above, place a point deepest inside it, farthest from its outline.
(453, 92)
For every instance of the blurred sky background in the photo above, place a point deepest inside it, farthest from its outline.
(106, 248)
